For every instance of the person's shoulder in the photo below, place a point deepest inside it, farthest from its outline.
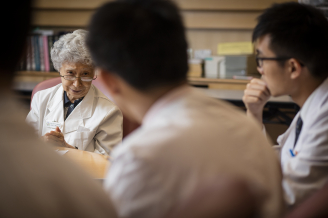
(46, 93)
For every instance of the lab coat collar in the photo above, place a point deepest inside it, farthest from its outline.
(80, 112)
(75, 119)
(56, 108)
(161, 103)
(314, 101)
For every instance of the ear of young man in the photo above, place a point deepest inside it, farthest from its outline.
(109, 81)
(294, 68)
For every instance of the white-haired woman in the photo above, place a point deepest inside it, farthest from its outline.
(75, 113)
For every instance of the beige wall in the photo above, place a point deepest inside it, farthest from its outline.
(208, 22)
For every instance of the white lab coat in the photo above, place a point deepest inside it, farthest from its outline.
(307, 171)
(94, 125)
(187, 138)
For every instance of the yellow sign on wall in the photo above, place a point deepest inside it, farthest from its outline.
(235, 48)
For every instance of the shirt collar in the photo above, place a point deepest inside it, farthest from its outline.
(168, 98)
(67, 102)
(307, 105)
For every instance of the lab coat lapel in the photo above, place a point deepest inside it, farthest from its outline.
(82, 111)
(55, 107)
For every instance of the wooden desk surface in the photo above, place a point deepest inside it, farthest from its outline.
(95, 164)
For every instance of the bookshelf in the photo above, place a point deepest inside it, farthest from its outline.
(208, 22)
(26, 80)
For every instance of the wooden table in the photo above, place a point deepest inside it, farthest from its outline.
(95, 164)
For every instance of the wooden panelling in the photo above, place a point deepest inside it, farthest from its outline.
(192, 20)
(227, 4)
(68, 4)
(183, 4)
(209, 39)
(65, 18)
(220, 20)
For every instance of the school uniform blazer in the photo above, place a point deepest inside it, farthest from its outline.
(94, 125)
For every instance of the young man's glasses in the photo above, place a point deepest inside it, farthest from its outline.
(73, 78)
(259, 61)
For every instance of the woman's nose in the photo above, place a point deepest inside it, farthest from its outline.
(77, 82)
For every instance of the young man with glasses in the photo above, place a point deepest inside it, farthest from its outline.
(292, 57)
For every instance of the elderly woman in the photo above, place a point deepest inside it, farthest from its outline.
(75, 113)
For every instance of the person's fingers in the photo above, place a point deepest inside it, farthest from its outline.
(257, 81)
(252, 99)
(260, 87)
(57, 134)
(57, 129)
(256, 93)
(54, 139)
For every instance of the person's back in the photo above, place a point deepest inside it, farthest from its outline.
(187, 138)
(37, 182)
(139, 46)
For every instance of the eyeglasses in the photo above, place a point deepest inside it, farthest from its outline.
(73, 78)
(259, 61)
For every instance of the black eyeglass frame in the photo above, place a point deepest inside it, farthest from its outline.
(258, 59)
(77, 78)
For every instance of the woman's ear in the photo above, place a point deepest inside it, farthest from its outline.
(295, 68)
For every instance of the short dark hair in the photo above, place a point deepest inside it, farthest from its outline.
(142, 41)
(298, 31)
(15, 29)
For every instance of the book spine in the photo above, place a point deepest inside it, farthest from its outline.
(33, 65)
(50, 42)
(28, 54)
(40, 39)
(37, 53)
(46, 54)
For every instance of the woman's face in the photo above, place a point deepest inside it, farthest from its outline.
(76, 89)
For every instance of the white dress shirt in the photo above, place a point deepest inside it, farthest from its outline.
(94, 125)
(305, 166)
(185, 138)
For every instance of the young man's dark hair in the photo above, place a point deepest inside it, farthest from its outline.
(142, 42)
(297, 31)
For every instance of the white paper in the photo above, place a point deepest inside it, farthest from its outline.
(61, 152)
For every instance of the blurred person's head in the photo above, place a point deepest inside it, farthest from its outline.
(72, 60)
(298, 35)
(14, 36)
(140, 44)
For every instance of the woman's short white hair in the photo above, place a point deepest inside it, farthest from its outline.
(71, 48)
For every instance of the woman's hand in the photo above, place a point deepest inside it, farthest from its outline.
(255, 97)
(57, 138)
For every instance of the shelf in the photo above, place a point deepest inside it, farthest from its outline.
(27, 80)
(230, 84)
(37, 74)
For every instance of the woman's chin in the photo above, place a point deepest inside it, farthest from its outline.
(77, 95)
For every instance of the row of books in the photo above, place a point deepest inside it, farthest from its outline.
(37, 55)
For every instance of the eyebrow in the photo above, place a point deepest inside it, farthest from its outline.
(84, 69)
